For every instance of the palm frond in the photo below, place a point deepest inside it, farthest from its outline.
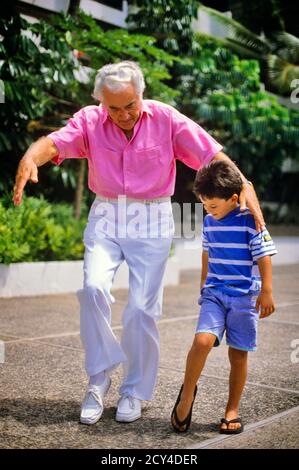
(242, 49)
(282, 73)
(238, 32)
(287, 47)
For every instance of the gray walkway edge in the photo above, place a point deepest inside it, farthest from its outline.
(249, 428)
(163, 321)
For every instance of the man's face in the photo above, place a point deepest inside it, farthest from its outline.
(219, 208)
(123, 106)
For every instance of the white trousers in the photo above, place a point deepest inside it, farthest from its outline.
(112, 236)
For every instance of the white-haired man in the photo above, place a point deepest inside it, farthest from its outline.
(131, 146)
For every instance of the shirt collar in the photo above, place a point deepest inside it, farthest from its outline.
(144, 109)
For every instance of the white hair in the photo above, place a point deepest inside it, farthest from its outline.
(117, 76)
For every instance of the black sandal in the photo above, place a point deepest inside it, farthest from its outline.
(174, 417)
(232, 431)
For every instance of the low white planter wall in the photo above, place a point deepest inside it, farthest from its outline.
(60, 277)
(189, 252)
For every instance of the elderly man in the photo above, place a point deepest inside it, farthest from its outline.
(131, 146)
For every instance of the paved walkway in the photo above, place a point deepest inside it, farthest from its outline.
(43, 380)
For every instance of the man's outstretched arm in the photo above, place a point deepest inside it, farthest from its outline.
(248, 197)
(39, 153)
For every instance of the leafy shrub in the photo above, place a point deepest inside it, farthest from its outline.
(39, 231)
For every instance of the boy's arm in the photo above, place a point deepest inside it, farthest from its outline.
(204, 267)
(265, 302)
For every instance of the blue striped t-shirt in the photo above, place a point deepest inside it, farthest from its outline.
(234, 246)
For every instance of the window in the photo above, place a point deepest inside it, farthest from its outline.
(117, 4)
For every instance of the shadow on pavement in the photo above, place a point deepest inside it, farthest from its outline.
(40, 412)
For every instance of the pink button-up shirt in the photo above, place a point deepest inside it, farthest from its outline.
(145, 166)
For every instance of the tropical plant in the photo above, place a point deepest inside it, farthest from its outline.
(255, 129)
(35, 82)
(39, 231)
(170, 22)
(278, 53)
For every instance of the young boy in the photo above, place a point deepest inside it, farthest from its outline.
(235, 257)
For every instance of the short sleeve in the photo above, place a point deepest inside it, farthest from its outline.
(205, 245)
(261, 244)
(71, 140)
(191, 143)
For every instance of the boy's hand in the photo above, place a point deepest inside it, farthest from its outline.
(265, 304)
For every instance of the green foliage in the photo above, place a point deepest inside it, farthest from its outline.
(39, 231)
(32, 76)
(169, 21)
(277, 52)
(31, 73)
(255, 129)
(98, 47)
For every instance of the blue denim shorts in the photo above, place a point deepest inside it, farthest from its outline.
(236, 316)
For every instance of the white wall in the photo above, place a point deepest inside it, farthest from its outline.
(96, 9)
(208, 25)
(52, 5)
(105, 13)
(204, 23)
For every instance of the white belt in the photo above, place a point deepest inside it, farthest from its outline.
(131, 199)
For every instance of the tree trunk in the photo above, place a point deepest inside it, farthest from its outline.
(79, 189)
(73, 7)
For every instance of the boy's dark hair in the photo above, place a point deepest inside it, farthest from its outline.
(218, 179)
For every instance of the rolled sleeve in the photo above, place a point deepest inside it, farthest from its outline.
(262, 245)
(192, 144)
(71, 140)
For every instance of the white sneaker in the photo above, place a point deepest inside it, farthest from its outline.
(92, 407)
(128, 409)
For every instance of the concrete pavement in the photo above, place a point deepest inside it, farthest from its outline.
(43, 379)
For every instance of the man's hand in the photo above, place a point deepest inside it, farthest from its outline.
(248, 198)
(39, 153)
(27, 171)
(265, 304)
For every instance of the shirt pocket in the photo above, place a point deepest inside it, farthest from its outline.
(152, 153)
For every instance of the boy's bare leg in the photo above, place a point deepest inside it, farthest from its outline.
(237, 380)
(202, 345)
